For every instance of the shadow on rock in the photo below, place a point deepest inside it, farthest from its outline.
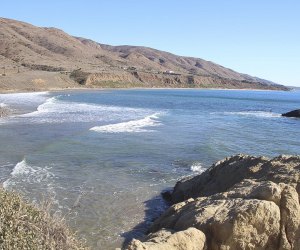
(153, 209)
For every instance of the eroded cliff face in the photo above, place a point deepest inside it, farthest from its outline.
(125, 78)
(241, 202)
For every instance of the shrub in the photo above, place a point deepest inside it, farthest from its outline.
(25, 226)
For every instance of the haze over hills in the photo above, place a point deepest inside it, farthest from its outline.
(42, 58)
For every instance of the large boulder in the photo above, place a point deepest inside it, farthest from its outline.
(228, 223)
(294, 113)
(241, 202)
(191, 239)
(232, 170)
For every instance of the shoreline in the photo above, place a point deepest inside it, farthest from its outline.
(6, 111)
(19, 91)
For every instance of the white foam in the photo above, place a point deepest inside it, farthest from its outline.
(263, 114)
(197, 167)
(21, 102)
(43, 108)
(24, 98)
(55, 110)
(23, 172)
(21, 168)
(130, 126)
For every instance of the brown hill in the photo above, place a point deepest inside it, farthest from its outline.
(39, 58)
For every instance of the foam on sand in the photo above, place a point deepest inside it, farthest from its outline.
(133, 126)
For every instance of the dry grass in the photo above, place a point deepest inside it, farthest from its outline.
(25, 226)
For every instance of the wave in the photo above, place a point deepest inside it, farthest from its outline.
(21, 168)
(42, 108)
(3, 105)
(24, 98)
(197, 168)
(23, 172)
(262, 114)
(130, 126)
(55, 110)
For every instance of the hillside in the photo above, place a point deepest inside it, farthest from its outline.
(34, 58)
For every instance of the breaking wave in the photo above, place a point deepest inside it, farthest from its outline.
(24, 98)
(197, 168)
(130, 126)
(55, 110)
(23, 172)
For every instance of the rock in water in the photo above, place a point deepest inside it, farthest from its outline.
(294, 113)
(4, 111)
(241, 202)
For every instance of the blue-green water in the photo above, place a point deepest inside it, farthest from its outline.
(104, 156)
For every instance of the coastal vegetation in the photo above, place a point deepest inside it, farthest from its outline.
(26, 226)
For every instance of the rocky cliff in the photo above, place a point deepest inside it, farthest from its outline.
(241, 202)
(134, 78)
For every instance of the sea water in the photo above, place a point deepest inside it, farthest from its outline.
(103, 157)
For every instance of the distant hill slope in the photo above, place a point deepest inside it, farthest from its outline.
(27, 48)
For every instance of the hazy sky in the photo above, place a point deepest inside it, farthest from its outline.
(258, 37)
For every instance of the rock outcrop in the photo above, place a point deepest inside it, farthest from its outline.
(294, 113)
(241, 202)
(191, 238)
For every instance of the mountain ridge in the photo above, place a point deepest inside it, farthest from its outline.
(27, 48)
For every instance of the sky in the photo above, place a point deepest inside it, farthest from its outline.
(257, 37)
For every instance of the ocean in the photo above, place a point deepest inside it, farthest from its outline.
(103, 156)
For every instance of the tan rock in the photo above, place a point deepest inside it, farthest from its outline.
(251, 189)
(218, 178)
(290, 219)
(189, 239)
(242, 202)
(228, 224)
(224, 174)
